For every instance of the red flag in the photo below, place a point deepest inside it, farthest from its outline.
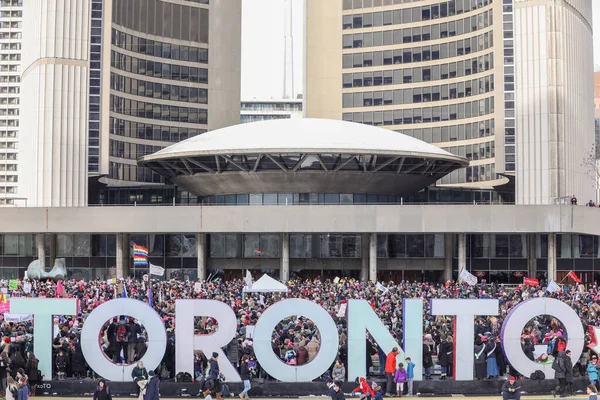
(531, 282)
(59, 289)
(574, 276)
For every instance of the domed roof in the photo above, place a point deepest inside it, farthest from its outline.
(305, 135)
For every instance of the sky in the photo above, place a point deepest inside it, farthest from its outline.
(263, 47)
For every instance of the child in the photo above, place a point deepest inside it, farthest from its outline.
(410, 375)
(377, 390)
(400, 378)
(592, 392)
(364, 389)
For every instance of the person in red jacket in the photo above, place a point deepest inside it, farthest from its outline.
(390, 370)
(364, 389)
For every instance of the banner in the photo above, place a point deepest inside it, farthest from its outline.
(197, 287)
(531, 282)
(156, 270)
(17, 317)
(248, 279)
(13, 284)
(382, 288)
(467, 277)
(553, 287)
(573, 276)
(342, 312)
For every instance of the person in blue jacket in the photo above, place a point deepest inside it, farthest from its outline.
(592, 371)
(152, 388)
(377, 389)
(410, 375)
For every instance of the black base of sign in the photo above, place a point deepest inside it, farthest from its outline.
(428, 388)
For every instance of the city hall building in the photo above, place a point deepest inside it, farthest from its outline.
(307, 198)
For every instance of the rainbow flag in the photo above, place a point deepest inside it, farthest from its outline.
(258, 253)
(140, 256)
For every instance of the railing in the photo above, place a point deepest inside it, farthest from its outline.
(175, 204)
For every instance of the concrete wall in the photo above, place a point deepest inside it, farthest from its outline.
(305, 219)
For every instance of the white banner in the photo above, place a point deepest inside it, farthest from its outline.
(27, 287)
(466, 276)
(248, 279)
(382, 288)
(342, 312)
(197, 287)
(156, 270)
(17, 317)
(553, 287)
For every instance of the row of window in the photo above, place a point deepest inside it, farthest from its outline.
(477, 173)
(95, 84)
(453, 133)
(408, 14)
(419, 54)
(419, 95)
(418, 74)
(9, 190)
(8, 167)
(159, 49)
(162, 18)
(157, 111)
(9, 178)
(158, 90)
(163, 133)
(8, 156)
(126, 172)
(479, 151)
(424, 115)
(288, 199)
(131, 151)
(160, 70)
(418, 34)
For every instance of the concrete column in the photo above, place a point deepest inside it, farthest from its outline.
(448, 250)
(201, 250)
(123, 261)
(52, 249)
(364, 270)
(373, 257)
(40, 242)
(532, 255)
(462, 251)
(551, 256)
(284, 274)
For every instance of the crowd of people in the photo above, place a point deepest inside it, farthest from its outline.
(295, 340)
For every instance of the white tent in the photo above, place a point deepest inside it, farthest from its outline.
(266, 284)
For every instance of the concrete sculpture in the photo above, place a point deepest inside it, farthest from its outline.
(59, 271)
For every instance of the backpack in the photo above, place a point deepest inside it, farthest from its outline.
(225, 390)
(183, 377)
(556, 365)
(121, 333)
(538, 375)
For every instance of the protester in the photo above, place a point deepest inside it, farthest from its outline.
(480, 359)
(245, 376)
(560, 372)
(213, 382)
(102, 391)
(140, 376)
(378, 391)
(592, 372)
(366, 392)
(569, 373)
(338, 373)
(428, 348)
(23, 391)
(31, 370)
(337, 393)
(400, 379)
(592, 392)
(410, 375)
(510, 390)
(390, 369)
(445, 356)
(153, 387)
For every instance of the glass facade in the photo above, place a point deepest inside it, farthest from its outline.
(95, 87)
(429, 68)
(159, 81)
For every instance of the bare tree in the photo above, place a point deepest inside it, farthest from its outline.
(591, 162)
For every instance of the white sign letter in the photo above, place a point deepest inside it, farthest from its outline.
(186, 342)
(465, 311)
(157, 337)
(521, 315)
(289, 373)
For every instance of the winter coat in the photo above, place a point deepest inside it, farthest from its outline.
(77, 360)
(569, 369)
(528, 349)
(232, 350)
(313, 348)
(378, 395)
(445, 356)
(410, 370)
(301, 355)
(31, 369)
(592, 372)
(152, 389)
(102, 393)
(364, 388)
(245, 372)
(139, 374)
(214, 369)
(23, 393)
(479, 350)
(559, 366)
(390, 362)
(338, 373)
(427, 360)
(339, 395)
(400, 376)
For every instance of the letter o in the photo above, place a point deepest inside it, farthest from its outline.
(523, 313)
(157, 337)
(272, 364)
